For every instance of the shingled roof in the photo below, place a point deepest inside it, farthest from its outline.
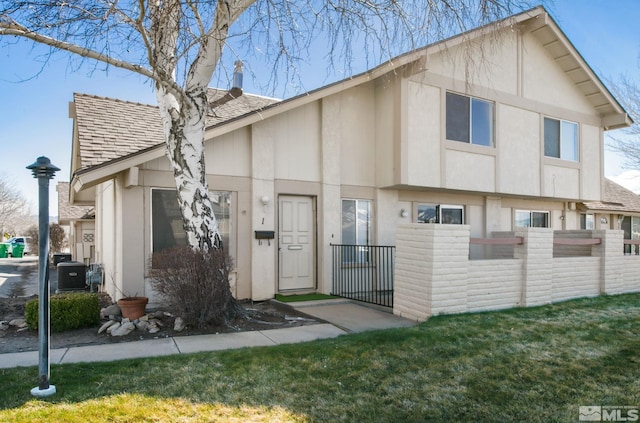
(615, 198)
(109, 128)
(68, 212)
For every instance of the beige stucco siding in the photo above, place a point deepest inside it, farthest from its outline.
(518, 142)
(296, 137)
(470, 171)
(545, 82)
(422, 136)
(230, 154)
(387, 133)
(356, 131)
(490, 62)
(591, 155)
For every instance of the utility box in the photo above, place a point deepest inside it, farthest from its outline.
(60, 257)
(72, 276)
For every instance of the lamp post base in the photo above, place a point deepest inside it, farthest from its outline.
(37, 392)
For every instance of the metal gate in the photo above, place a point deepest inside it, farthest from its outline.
(364, 273)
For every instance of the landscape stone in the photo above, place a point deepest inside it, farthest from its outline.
(106, 325)
(4, 325)
(113, 327)
(141, 325)
(112, 310)
(123, 329)
(19, 323)
(178, 324)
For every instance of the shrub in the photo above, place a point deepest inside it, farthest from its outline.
(67, 311)
(195, 284)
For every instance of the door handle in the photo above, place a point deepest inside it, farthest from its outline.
(294, 247)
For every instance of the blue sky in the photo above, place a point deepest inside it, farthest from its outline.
(35, 96)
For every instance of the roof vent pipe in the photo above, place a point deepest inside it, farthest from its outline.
(237, 76)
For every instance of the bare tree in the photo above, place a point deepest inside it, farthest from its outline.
(13, 209)
(179, 45)
(627, 141)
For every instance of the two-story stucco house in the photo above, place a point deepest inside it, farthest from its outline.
(426, 137)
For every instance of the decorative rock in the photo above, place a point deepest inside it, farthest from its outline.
(113, 327)
(22, 329)
(123, 329)
(19, 323)
(157, 322)
(141, 325)
(167, 314)
(106, 326)
(112, 310)
(4, 325)
(153, 328)
(144, 318)
(178, 324)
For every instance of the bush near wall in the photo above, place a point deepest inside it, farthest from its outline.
(68, 311)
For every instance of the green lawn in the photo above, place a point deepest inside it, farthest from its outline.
(530, 365)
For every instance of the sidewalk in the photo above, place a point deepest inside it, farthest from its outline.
(344, 317)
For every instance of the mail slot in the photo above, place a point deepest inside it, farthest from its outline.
(265, 234)
(294, 247)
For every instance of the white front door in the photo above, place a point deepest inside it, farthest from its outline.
(296, 242)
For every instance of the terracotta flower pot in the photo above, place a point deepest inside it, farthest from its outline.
(133, 307)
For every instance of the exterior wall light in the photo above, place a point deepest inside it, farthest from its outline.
(404, 213)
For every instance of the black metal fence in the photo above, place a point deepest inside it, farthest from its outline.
(364, 273)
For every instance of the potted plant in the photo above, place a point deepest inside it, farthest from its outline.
(133, 308)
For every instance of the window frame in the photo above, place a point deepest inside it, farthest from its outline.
(228, 243)
(438, 217)
(547, 213)
(360, 255)
(452, 119)
(562, 148)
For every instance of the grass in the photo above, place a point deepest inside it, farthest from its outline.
(304, 297)
(537, 364)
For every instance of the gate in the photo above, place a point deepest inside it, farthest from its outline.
(363, 273)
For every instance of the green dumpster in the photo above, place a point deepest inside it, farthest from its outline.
(17, 250)
(4, 250)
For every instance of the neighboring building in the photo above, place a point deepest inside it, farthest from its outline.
(514, 141)
(618, 209)
(79, 224)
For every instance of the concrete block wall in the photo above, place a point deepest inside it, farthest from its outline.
(494, 284)
(575, 277)
(631, 273)
(536, 253)
(433, 273)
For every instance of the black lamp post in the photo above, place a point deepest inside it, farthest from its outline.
(43, 170)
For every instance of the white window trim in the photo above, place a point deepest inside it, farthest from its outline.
(515, 222)
(493, 120)
(577, 160)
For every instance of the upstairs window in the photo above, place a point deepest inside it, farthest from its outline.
(469, 120)
(561, 139)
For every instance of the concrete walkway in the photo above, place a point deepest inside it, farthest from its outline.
(343, 316)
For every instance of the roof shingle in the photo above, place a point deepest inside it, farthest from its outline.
(109, 128)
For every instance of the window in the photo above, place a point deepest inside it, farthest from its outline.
(469, 120)
(561, 139)
(587, 221)
(532, 219)
(448, 214)
(166, 219)
(356, 230)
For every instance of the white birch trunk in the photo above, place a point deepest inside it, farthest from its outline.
(184, 128)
